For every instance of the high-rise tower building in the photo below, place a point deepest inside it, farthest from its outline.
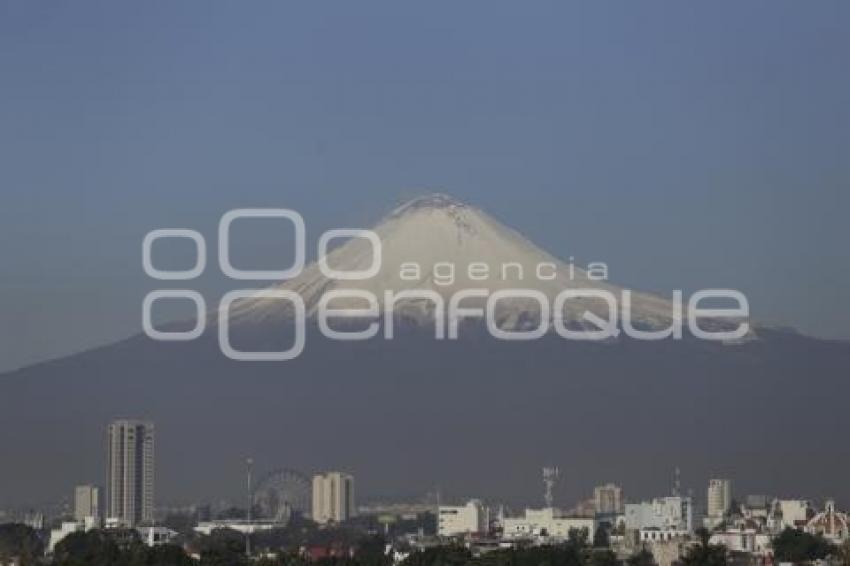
(130, 479)
(719, 497)
(333, 497)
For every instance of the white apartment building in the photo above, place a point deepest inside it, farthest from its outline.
(454, 520)
(719, 498)
(130, 479)
(673, 513)
(789, 513)
(547, 523)
(86, 502)
(333, 497)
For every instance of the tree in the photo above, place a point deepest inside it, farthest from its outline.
(449, 555)
(167, 555)
(643, 557)
(372, 551)
(19, 541)
(844, 554)
(603, 558)
(99, 548)
(796, 546)
(705, 553)
(578, 537)
(114, 547)
(601, 538)
(224, 547)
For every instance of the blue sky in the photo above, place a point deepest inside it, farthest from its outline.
(686, 145)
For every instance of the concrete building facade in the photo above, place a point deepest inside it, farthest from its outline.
(673, 513)
(86, 502)
(608, 499)
(456, 520)
(130, 472)
(719, 497)
(547, 524)
(333, 497)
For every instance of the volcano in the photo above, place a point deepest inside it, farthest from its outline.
(475, 416)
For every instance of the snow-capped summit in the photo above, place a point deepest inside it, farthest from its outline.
(437, 243)
(433, 200)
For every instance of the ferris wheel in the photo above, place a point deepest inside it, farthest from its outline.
(281, 494)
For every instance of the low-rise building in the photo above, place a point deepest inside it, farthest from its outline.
(789, 513)
(241, 525)
(547, 523)
(156, 536)
(456, 520)
(663, 513)
(750, 541)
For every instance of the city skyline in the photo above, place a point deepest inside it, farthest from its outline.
(611, 492)
(332, 492)
(652, 524)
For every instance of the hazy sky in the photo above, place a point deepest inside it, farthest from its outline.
(686, 145)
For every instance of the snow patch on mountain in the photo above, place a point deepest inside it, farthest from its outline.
(441, 235)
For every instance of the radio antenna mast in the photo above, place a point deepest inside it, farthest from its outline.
(249, 464)
(677, 482)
